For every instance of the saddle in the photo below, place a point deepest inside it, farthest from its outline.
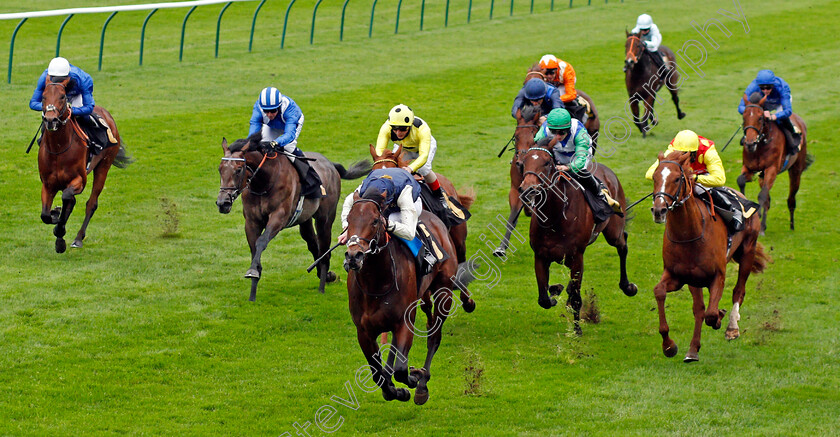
(97, 133)
(455, 215)
(727, 203)
(426, 250)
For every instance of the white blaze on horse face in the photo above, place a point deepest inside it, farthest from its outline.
(665, 173)
(535, 157)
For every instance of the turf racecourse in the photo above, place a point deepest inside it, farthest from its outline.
(147, 329)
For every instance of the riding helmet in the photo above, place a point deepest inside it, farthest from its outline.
(534, 89)
(549, 62)
(270, 98)
(401, 115)
(644, 21)
(59, 67)
(686, 141)
(558, 119)
(765, 77)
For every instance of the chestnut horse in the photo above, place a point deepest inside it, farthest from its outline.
(62, 162)
(384, 294)
(764, 151)
(694, 252)
(527, 125)
(391, 159)
(562, 225)
(593, 123)
(270, 188)
(643, 81)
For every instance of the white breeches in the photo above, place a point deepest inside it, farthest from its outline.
(397, 216)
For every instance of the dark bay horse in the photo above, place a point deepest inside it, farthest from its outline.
(694, 252)
(270, 189)
(527, 125)
(643, 81)
(391, 159)
(562, 225)
(593, 123)
(384, 294)
(764, 151)
(62, 162)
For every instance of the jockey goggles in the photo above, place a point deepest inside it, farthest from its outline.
(765, 87)
(271, 111)
(560, 132)
(400, 128)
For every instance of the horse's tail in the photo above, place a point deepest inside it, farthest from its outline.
(809, 159)
(762, 258)
(123, 159)
(356, 170)
(467, 197)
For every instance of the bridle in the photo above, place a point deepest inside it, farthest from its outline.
(374, 248)
(512, 139)
(380, 161)
(64, 110)
(238, 187)
(761, 129)
(676, 201)
(631, 52)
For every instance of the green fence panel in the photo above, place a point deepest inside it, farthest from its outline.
(219, 27)
(253, 24)
(143, 33)
(60, 31)
(12, 48)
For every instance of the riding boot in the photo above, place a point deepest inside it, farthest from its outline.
(91, 128)
(595, 186)
(791, 136)
(728, 210)
(659, 63)
(441, 194)
(309, 180)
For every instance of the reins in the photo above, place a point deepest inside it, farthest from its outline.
(677, 202)
(760, 131)
(236, 189)
(374, 248)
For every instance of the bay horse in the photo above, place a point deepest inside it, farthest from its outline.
(270, 189)
(384, 293)
(562, 225)
(593, 123)
(643, 81)
(392, 159)
(764, 151)
(62, 162)
(694, 252)
(527, 125)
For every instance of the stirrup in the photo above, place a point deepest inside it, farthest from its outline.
(616, 207)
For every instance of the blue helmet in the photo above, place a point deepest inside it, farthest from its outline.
(765, 77)
(534, 89)
(270, 98)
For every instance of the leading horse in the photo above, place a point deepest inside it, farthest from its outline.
(694, 252)
(271, 200)
(384, 293)
(643, 80)
(764, 151)
(562, 225)
(62, 162)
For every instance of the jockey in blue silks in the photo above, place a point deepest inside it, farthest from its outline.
(537, 92)
(79, 92)
(777, 107)
(402, 206)
(279, 120)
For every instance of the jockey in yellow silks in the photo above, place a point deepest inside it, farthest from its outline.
(405, 129)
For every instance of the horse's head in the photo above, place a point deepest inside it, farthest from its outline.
(537, 167)
(388, 158)
(632, 50)
(754, 124)
(365, 228)
(233, 170)
(56, 108)
(527, 124)
(673, 183)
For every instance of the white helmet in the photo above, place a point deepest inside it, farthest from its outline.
(59, 67)
(644, 21)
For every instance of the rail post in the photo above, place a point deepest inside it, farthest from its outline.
(219, 27)
(143, 33)
(102, 37)
(372, 10)
(60, 31)
(312, 32)
(285, 22)
(422, 12)
(12, 48)
(254, 24)
(183, 30)
(397, 26)
(343, 10)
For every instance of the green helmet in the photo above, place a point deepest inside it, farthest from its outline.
(559, 119)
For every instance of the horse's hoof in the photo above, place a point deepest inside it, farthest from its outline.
(691, 357)
(331, 276)
(671, 351)
(547, 303)
(681, 115)
(631, 290)
(578, 331)
(55, 214)
(77, 244)
(469, 306)
(60, 245)
(499, 252)
(555, 290)
(403, 395)
(252, 274)
(732, 334)
(421, 396)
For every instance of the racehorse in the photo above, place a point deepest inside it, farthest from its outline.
(562, 225)
(643, 81)
(593, 123)
(270, 189)
(527, 125)
(391, 159)
(764, 151)
(62, 162)
(694, 252)
(384, 293)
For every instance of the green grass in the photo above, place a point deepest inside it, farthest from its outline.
(147, 329)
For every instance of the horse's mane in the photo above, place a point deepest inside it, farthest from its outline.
(530, 112)
(253, 143)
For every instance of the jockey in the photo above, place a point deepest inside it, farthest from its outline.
(777, 106)
(709, 174)
(650, 36)
(405, 129)
(280, 120)
(559, 73)
(537, 93)
(402, 205)
(573, 151)
(79, 93)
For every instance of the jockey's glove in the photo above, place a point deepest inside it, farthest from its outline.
(268, 145)
(389, 226)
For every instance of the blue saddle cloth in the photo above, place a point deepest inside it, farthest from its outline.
(414, 245)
